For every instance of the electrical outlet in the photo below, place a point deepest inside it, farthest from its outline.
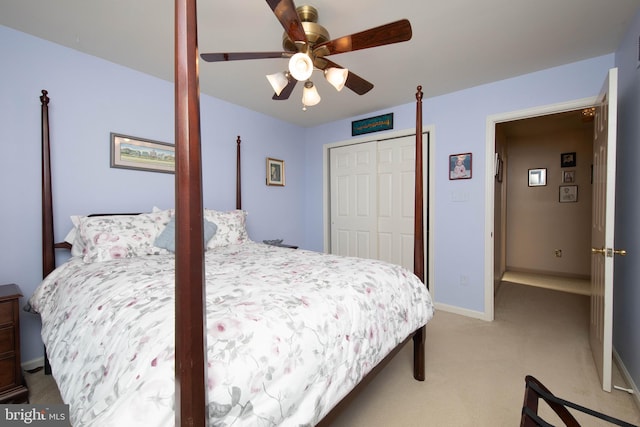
(558, 253)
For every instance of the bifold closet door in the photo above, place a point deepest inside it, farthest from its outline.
(395, 200)
(372, 196)
(353, 175)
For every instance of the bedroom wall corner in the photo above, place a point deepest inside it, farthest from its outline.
(626, 316)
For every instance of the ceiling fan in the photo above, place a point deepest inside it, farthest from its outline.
(306, 44)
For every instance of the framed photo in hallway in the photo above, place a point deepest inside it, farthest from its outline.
(537, 177)
(568, 177)
(568, 193)
(568, 160)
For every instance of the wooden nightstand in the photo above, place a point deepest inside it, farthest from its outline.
(12, 385)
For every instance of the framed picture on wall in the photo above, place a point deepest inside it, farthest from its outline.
(568, 160)
(537, 177)
(568, 177)
(499, 168)
(130, 152)
(460, 166)
(568, 193)
(275, 172)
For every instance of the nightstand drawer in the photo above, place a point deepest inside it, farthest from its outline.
(12, 386)
(8, 373)
(6, 312)
(7, 341)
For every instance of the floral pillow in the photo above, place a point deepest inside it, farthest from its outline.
(74, 238)
(231, 227)
(119, 236)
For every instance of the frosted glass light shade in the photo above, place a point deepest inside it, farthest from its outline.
(278, 81)
(336, 76)
(310, 95)
(300, 66)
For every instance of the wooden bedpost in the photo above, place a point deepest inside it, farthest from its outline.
(238, 176)
(48, 252)
(418, 232)
(418, 225)
(190, 338)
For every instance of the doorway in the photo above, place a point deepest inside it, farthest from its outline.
(495, 243)
(545, 188)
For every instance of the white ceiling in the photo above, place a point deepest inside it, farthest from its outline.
(456, 44)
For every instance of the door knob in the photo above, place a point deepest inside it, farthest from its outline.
(609, 252)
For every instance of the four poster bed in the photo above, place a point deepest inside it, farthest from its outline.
(145, 325)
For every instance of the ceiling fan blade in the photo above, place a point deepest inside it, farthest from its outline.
(286, 91)
(237, 56)
(285, 11)
(357, 83)
(353, 82)
(395, 32)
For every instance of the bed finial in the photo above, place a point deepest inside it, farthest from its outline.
(44, 98)
(419, 93)
(238, 184)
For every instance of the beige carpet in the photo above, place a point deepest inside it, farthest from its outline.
(476, 369)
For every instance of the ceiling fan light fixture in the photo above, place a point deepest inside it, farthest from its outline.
(336, 76)
(310, 95)
(278, 81)
(301, 66)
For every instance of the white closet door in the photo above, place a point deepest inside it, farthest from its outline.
(396, 183)
(353, 201)
(372, 200)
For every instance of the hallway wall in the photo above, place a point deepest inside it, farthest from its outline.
(537, 224)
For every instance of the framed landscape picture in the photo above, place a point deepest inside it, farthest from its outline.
(130, 152)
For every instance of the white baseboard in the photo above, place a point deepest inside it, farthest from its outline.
(627, 377)
(462, 311)
(33, 364)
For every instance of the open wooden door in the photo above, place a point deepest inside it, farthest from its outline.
(602, 231)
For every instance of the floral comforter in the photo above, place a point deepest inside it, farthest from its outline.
(289, 333)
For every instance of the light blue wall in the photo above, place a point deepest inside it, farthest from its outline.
(459, 121)
(626, 333)
(90, 98)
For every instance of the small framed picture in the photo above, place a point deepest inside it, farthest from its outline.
(568, 177)
(275, 172)
(460, 166)
(568, 160)
(537, 177)
(568, 193)
(500, 169)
